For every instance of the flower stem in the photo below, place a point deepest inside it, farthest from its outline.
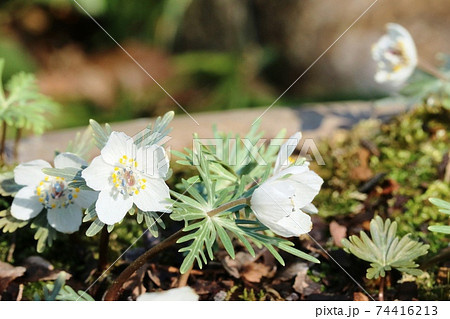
(432, 70)
(103, 250)
(115, 290)
(381, 291)
(2, 143)
(16, 144)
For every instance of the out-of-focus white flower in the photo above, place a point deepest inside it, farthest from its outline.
(125, 175)
(282, 202)
(63, 203)
(395, 54)
(176, 294)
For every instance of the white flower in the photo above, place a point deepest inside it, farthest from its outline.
(126, 175)
(282, 201)
(395, 54)
(63, 203)
(175, 294)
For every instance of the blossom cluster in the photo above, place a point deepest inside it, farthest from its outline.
(127, 175)
(123, 175)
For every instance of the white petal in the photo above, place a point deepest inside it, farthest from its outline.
(85, 198)
(111, 210)
(118, 145)
(286, 150)
(65, 220)
(26, 204)
(382, 76)
(285, 173)
(176, 294)
(30, 173)
(295, 224)
(97, 174)
(63, 160)
(307, 186)
(270, 204)
(391, 67)
(153, 161)
(274, 210)
(310, 209)
(395, 31)
(154, 197)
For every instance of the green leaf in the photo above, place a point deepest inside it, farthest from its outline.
(8, 186)
(298, 253)
(60, 291)
(440, 229)
(24, 107)
(45, 234)
(152, 220)
(226, 241)
(203, 237)
(444, 205)
(100, 135)
(8, 223)
(384, 250)
(68, 173)
(94, 228)
(90, 213)
(154, 134)
(82, 143)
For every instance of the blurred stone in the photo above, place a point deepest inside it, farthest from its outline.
(314, 120)
(69, 73)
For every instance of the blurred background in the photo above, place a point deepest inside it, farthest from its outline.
(208, 54)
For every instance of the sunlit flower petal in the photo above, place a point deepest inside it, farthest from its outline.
(118, 145)
(65, 220)
(111, 210)
(126, 175)
(30, 173)
(293, 225)
(153, 161)
(154, 197)
(282, 201)
(62, 201)
(85, 198)
(97, 174)
(26, 204)
(63, 160)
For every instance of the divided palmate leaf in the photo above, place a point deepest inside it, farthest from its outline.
(444, 207)
(384, 250)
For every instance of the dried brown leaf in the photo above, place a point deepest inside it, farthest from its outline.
(338, 232)
(8, 273)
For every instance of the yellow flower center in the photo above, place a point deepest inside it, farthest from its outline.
(126, 179)
(53, 192)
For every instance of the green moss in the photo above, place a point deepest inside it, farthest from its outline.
(409, 150)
